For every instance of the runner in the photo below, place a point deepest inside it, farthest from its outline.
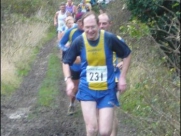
(70, 36)
(105, 24)
(59, 20)
(84, 7)
(97, 80)
(69, 21)
(70, 7)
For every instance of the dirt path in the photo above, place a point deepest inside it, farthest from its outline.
(21, 117)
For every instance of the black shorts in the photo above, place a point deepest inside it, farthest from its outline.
(116, 86)
(75, 74)
(63, 54)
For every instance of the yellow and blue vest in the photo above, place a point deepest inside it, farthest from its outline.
(97, 65)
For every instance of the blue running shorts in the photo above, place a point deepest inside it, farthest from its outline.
(106, 98)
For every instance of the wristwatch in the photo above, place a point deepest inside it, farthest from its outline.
(66, 78)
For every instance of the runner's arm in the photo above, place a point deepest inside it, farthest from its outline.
(64, 41)
(69, 83)
(124, 52)
(125, 66)
(78, 60)
(74, 11)
(55, 19)
(73, 51)
(122, 79)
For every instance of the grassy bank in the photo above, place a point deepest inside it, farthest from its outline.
(152, 100)
(20, 43)
(25, 27)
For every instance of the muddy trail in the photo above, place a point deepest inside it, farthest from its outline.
(20, 115)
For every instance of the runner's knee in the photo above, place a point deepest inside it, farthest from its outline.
(105, 132)
(92, 131)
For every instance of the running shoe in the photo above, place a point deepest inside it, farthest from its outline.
(70, 110)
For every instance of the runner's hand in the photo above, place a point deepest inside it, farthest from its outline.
(122, 84)
(70, 87)
(55, 23)
(120, 65)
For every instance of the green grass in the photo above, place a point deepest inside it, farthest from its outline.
(23, 71)
(50, 86)
(7, 89)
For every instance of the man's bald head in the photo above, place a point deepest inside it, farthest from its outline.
(104, 21)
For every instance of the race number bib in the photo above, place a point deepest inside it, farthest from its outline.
(96, 73)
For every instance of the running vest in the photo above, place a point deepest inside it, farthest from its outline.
(61, 21)
(69, 9)
(84, 7)
(96, 70)
(71, 34)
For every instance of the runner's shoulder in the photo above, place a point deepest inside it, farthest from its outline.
(78, 40)
(69, 30)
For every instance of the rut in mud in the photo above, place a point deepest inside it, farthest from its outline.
(21, 117)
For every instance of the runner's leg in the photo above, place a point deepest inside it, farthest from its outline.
(115, 123)
(106, 117)
(60, 35)
(72, 99)
(90, 117)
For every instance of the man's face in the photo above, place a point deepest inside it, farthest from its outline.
(84, 1)
(79, 24)
(70, 23)
(62, 7)
(69, 1)
(104, 22)
(91, 28)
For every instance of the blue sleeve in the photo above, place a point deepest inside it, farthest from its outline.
(73, 51)
(121, 39)
(64, 40)
(120, 47)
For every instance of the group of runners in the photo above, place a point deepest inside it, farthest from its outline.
(65, 16)
(91, 66)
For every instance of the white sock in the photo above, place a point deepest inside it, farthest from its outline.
(71, 104)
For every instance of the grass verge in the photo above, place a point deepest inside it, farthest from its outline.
(51, 84)
(18, 57)
(153, 98)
